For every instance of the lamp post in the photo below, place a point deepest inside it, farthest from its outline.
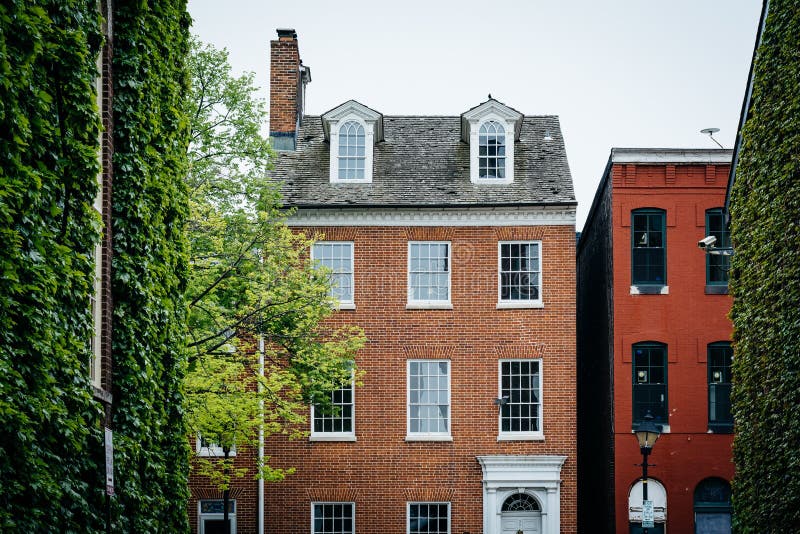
(646, 434)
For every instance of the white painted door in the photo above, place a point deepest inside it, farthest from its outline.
(521, 522)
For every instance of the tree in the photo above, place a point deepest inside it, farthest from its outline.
(260, 348)
(765, 283)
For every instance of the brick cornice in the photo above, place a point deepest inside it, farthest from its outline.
(428, 494)
(332, 494)
(520, 351)
(443, 352)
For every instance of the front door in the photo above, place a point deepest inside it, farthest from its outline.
(521, 522)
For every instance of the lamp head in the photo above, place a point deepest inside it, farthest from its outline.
(647, 433)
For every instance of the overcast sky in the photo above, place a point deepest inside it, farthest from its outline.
(635, 73)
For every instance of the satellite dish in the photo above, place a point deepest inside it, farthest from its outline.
(710, 132)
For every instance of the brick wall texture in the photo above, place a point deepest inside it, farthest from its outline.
(284, 77)
(381, 471)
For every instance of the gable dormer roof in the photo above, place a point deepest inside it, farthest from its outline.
(351, 107)
(490, 107)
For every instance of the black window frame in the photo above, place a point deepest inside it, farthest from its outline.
(646, 238)
(644, 388)
(718, 264)
(719, 358)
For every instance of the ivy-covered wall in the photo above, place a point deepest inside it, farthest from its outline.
(765, 282)
(149, 263)
(51, 448)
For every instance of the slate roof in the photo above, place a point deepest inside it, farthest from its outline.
(423, 162)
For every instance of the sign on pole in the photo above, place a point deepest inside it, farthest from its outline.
(109, 462)
(647, 514)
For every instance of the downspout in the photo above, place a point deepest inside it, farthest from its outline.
(261, 440)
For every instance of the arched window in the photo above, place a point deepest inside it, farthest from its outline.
(492, 150)
(352, 154)
(712, 507)
(520, 502)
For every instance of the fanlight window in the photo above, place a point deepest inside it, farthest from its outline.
(352, 154)
(520, 502)
(492, 150)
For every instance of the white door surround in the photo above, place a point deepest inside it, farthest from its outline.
(537, 476)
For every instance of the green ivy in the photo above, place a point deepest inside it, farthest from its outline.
(765, 282)
(51, 452)
(149, 265)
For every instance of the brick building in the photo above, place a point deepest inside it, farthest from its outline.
(452, 242)
(653, 335)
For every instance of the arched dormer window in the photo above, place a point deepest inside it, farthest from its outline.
(492, 151)
(352, 152)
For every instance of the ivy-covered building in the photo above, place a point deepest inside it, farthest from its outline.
(92, 266)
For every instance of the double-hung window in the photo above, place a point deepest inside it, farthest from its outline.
(650, 382)
(519, 280)
(335, 421)
(429, 518)
(720, 359)
(337, 256)
(333, 518)
(428, 400)
(520, 399)
(352, 151)
(429, 273)
(717, 265)
(492, 151)
(649, 247)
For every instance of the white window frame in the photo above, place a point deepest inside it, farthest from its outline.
(215, 516)
(412, 503)
(342, 304)
(474, 150)
(211, 451)
(337, 436)
(509, 303)
(537, 435)
(428, 303)
(352, 505)
(430, 436)
(96, 298)
(369, 143)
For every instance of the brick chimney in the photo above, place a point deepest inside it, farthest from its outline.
(288, 79)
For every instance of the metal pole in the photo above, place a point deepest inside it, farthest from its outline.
(644, 485)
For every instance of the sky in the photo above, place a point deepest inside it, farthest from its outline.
(620, 73)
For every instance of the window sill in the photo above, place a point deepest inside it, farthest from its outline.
(721, 430)
(102, 395)
(517, 305)
(429, 306)
(206, 453)
(521, 436)
(649, 290)
(346, 306)
(493, 181)
(332, 437)
(351, 180)
(429, 437)
(721, 289)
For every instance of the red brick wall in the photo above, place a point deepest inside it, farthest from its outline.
(380, 472)
(284, 69)
(686, 320)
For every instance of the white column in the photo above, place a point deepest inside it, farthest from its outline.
(489, 510)
(554, 511)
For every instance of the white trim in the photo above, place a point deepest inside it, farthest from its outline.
(215, 517)
(449, 512)
(674, 155)
(341, 304)
(662, 290)
(413, 304)
(537, 435)
(369, 142)
(474, 146)
(430, 436)
(212, 451)
(519, 303)
(655, 492)
(459, 216)
(538, 476)
(351, 503)
(337, 436)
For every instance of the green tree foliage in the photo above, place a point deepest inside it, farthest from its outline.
(250, 280)
(50, 438)
(149, 265)
(765, 282)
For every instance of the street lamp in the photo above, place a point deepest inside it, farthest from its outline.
(646, 434)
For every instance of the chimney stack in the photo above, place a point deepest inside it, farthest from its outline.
(288, 79)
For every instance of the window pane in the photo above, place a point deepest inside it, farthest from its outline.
(429, 266)
(650, 382)
(428, 518)
(429, 396)
(648, 243)
(337, 257)
(519, 385)
(519, 271)
(333, 518)
(338, 417)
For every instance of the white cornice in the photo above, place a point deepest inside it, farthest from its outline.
(351, 107)
(466, 216)
(671, 155)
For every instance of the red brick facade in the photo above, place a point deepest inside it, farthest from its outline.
(284, 78)
(381, 471)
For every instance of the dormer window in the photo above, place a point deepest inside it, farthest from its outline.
(492, 150)
(352, 130)
(351, 151)
(490, 129)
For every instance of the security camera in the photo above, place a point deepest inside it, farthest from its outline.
(707, 242)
